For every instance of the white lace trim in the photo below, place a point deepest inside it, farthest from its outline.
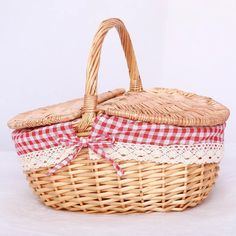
(44, 158)
(187, 154)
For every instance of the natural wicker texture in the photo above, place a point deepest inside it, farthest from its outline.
(90, 97)
(95, 55)
(164, 106)
(61, 112)
(94, 187)
(158, 105)
(167, 106)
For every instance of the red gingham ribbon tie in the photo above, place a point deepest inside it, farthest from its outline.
(96, 144)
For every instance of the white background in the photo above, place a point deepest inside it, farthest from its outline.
(190, 45)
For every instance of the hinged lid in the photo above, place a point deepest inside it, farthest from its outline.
(164, 106)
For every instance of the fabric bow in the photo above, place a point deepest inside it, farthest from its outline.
(96, 144)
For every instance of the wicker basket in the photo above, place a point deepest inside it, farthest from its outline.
(150, 183)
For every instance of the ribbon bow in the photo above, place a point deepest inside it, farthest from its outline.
(96, 144)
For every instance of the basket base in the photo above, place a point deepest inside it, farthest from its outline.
(94, 187)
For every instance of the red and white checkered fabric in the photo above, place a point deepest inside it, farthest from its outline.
(107, 130)
(121, 130)
(31, 140)
(129, 131)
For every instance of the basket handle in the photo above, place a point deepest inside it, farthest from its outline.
(90, 97)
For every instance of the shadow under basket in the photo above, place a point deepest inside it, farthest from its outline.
(92, 186)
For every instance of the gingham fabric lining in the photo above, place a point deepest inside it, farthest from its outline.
(129, 131)
(121, 129)
(31, 140)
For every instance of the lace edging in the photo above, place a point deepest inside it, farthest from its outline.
(187, 154)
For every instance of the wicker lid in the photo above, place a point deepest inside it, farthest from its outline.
(164, 106)
(167, 106)
(57, 113)
(159, 105)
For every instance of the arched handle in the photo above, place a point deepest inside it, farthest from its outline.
(90, 97)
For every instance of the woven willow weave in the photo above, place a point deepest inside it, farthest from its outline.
(92, 185)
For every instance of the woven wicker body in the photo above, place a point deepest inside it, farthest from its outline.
(93, 186)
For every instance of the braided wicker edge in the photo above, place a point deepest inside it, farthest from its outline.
(146, 108)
